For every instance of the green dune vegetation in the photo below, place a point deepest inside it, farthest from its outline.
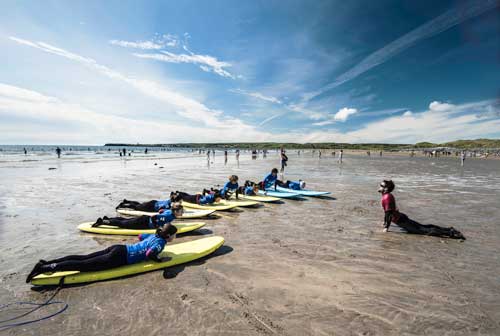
(458, 144)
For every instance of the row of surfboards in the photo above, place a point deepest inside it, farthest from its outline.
(178, 253)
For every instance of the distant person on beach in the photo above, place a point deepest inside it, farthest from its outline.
(462, 158)
(146, 151)
(392, 215)
(284, 159)
(380, 154)
(150, 206)
(270, 180)
(208, 155)
(124, 151)
(148, 248)
(341, 154)
(230, 187)
(333, 153)
(58, 152)
(237, 154)
(144, 222)
(25, 151)
(207, 197)
(319, 154)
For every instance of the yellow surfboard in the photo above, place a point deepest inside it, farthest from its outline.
(213, 206)
(264, 199)
(188, 213)
(240, 203)
(115, 230)
(179, 254)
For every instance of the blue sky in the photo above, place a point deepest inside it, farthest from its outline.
(89, 72)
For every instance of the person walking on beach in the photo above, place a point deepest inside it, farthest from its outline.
(341, 154)
(124, 151)
(144, 222)
(208, 155)
(462, 158)
(25, 151)
(284, 159)
(58, 152)
(392, 215)
(148, 248)
(146, 151)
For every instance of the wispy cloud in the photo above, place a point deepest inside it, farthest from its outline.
(342, 115)
(265, 121)
(186, 107)
(206, 63)
(258, 95)
(449, 19)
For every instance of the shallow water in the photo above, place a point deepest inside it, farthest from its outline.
(319, 266)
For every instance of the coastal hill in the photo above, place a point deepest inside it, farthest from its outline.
(458, 144)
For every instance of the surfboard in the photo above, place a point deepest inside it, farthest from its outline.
(179, 254)
(258, 198)
(115, 230)
(213, 206)
(188, 213)
(303, 192)
(240, 203)
(278, 194)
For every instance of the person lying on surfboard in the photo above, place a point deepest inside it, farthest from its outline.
(150, 206)
(249, 189)
(207, 197)
(148, 248)
(230, 187)
(270, 180)
(392, 215)
(143, 222)
(295, 185)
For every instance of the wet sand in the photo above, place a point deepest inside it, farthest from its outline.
(314, 267)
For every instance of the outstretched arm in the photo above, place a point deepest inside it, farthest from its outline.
(387, 220)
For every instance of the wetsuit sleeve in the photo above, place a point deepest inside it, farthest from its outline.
(153, 252)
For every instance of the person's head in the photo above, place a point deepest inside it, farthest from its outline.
(274, 171)
(386, 186)
(233, 178)
(255, 188)
(167, 232)
(177, 209)
(217, 196)
(175, 197)
(302, 184)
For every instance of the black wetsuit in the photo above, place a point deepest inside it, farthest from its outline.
(136, 223)
(113, 256)
(134, 205)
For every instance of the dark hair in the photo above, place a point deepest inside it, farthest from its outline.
(275, 170)
(167, 229)
(177, 206)
(389, 185)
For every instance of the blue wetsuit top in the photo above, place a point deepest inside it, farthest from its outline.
(208, 198)
(166, 204)
(227, 187)
(149, 245)
(161, 219)
(249, 191)
(294, 185)
(270, 180)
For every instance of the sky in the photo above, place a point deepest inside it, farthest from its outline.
(93, 72)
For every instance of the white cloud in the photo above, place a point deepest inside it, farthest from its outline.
(445, 21)
(265, 121)
(407, 114)
(258, 95)
(185, 107)
(324, 123)
(206, 63)
(344, 113)
(145, 45)
(440, 107)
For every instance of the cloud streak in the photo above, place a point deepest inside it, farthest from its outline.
(185, 107)
(205, 62)
(449, 19)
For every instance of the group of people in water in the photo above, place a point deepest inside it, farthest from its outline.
(150, 246)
